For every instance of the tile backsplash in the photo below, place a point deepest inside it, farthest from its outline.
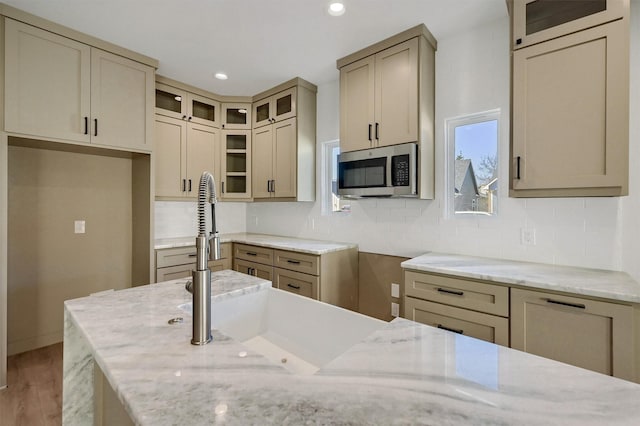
(180, 218)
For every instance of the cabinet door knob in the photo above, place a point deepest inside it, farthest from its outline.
(184, 117)
(189, 118)
(519, 41)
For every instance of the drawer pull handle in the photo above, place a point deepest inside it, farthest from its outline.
(453, 292)
(295, 262)
(297, 287)
(453, 330)
(571, 305)
(193, 254)
(250, 253)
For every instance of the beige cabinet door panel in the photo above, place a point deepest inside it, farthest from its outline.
(202, 146)
(175, 256)
(47, 84)
(253, 253)
(590, 334)
(174, 272)
(170, 156)
(357, 105)
(570, 103)
(284, 158)
(255, 269)
(468, 294)
(396, 95)
(122, 101)
(491, 328)
(295, 261)
(262, 140)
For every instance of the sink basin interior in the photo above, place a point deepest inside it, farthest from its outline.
(297, 332)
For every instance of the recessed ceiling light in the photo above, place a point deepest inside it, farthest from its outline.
(336, 8)
(221, 76)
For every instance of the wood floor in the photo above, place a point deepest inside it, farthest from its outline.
(34, 395)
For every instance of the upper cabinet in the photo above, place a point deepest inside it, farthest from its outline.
(535, 21)
(284, 143)
(59, 89)
(278, 107)
(379, 99)
(570, 107)
(387, 97)
(191, 107)
(236, 116)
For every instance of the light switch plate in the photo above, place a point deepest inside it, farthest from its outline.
(395, 290)
(395, 310)
(79, 226)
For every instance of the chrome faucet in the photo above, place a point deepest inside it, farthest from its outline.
(208, 248)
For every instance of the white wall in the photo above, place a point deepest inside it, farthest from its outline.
(472, 75)
(179, 218)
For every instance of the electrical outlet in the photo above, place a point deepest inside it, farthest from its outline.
(395, 310)
(528, 236)
(395, 290)
(79, 226)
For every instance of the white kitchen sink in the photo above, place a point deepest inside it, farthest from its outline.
(299, 333)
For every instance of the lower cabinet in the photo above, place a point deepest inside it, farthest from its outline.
(178, 262)
(330, 277)
(461, 306)
(587, 333)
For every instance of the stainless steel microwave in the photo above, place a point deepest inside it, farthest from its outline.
(390, 171)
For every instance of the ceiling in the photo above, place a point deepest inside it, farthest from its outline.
(258, 43)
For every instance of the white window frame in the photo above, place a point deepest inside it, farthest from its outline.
(450, 155)
(326, 174)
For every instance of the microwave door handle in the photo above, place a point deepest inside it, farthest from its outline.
(389, 182)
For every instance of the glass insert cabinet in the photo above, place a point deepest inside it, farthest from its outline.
(236, 116)
(236, 165)
(540, 20)
(278, 107)
(176, 103)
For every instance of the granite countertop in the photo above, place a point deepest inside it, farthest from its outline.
(301, 245)
(404, 373)
(601, 283)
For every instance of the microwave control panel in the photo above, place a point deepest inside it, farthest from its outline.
(400, 169)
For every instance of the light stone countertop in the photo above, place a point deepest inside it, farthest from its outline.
(601, 283)
(317, 247)
(404, 373)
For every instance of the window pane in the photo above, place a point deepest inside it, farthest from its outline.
(475, 168)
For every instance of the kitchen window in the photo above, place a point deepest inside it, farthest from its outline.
(472, 164)
(331, 201)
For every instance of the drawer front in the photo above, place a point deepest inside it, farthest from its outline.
(253, 254)
(174, 272)
(467, 294)
(299, 262)
(252, 268)
(295, 282)
(184, 255)
(220, 265)
(487, 327)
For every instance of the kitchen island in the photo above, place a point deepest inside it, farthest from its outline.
(403, 373)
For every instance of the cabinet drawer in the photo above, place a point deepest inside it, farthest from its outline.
(255, 269)
(481, 297)
(300, 262)
(295, 282)
(491, 328)
(184, 255)
(174, 272)
(253, 254)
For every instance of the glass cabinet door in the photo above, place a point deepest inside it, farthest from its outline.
(284, 104)
(236, 164)
(170, 101)
(236, 116)
(540, 20)
(203, 111)
(262, 112)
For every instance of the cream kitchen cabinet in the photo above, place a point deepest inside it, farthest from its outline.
(63, 90)
(570, 115)
(535, 21)
(191, 107)
(329, 277)
(182, 152)
(387, 97)
(278, 107)
(236, 116)
(458, 305)
(235, 165)
(274, 172)
(591, 334)
(284, 146)
(174, 263)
